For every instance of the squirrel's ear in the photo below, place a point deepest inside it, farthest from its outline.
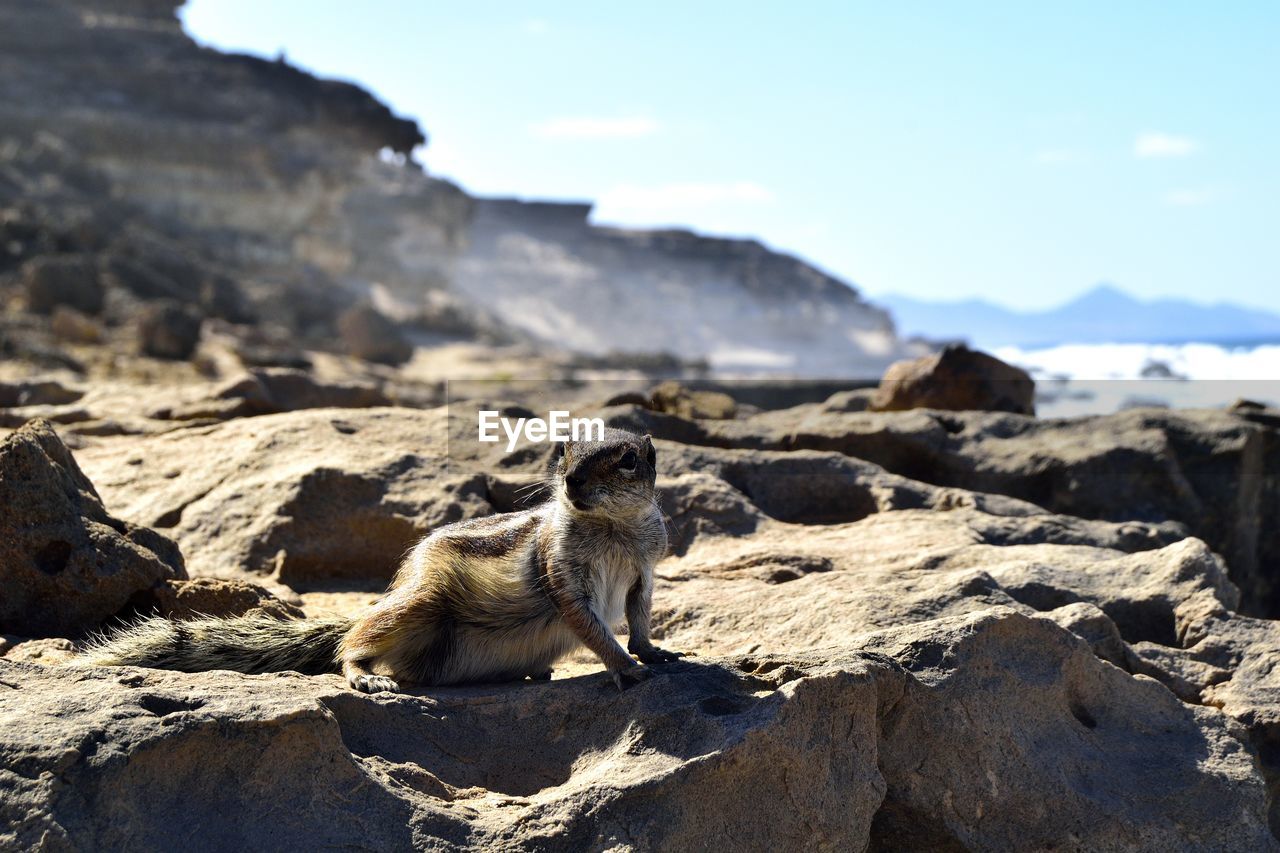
(651, 455)
(558, 453)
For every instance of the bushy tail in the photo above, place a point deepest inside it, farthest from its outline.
(249, 644)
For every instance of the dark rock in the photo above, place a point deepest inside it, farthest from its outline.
(66, 564)
(70, 280)
(168, 330)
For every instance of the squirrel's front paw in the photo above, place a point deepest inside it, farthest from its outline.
(630, 676)
(374, 684)
(653, 654)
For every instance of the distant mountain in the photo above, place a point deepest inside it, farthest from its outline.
(1104, 314)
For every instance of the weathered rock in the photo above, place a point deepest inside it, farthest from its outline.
(37, 393)
(848, 749)
(368, 334)
(168, 330)
(673, 398)
(67, 564)
(49, 651)
(272, 390)
(69, 280)
(74, 327)
(187, 599)
(1214, 472)
(311, 494)
(958, 379)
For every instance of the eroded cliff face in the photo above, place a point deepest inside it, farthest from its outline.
(305, 191)
(545, 270)
(260, 165)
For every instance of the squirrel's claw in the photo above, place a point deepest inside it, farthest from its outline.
(653, 654)
(375, 684)
(630, 677)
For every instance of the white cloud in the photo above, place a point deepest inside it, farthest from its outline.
(664, 200)
(595, 128)
(1163, 145)
(1188, 197)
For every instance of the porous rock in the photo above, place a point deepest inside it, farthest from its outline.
(67, 564)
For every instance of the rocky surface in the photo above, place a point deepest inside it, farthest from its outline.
(1212, 471)
(978, 732)
(885, 663)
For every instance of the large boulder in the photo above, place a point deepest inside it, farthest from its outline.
(66, 564)
(957, 378)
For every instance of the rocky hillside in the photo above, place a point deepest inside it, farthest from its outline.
(1030, 637)
(301, 196)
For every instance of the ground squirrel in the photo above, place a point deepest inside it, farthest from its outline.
(490, 599)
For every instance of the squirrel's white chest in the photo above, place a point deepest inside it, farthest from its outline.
(612, 576)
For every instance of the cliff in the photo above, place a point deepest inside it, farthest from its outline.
(304, 193)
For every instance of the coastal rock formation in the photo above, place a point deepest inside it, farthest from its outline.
(279, 196)
(863, 641)
(1215, 472)
(545, 270)
(851, 748)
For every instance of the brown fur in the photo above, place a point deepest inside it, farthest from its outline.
(490, 599)
(503, 597)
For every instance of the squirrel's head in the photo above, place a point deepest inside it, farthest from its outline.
(613, 476)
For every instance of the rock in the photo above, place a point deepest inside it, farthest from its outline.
(367, 334)
(70, 280)
(187, 599)
(854, 400)
(1213, 472)
(313, 494)
(849, 749)
(37, 393)
(46, 652)
(273, 390)
(67, 564)
(70, 325)
(956, 379)
(168, 330)
(673, 398)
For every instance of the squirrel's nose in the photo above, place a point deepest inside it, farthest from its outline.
(575, 481)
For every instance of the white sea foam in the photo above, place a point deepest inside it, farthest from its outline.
(1074, 379)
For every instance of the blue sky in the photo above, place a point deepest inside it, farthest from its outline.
(1018, 152)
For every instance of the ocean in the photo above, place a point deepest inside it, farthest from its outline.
(1078, 379)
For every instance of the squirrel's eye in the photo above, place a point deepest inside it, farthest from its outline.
(628, 460)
